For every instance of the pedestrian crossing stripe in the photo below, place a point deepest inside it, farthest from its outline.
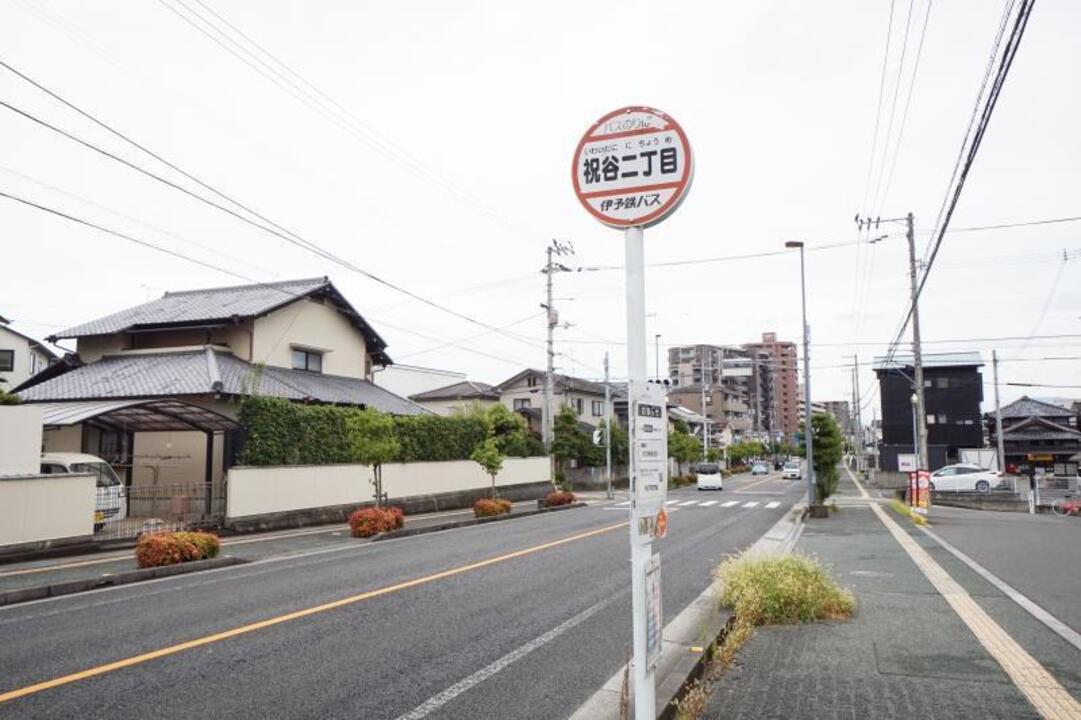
(730, 503)
(707, 503)
(753, 503)
(689, 502)
(772, 505)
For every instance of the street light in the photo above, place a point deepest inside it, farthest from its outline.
(807, 424)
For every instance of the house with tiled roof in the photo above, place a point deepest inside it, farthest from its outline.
(21, 356)
(523, 392)
(164, 379)
(1040, 434)
(457, 397)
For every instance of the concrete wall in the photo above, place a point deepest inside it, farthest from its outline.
(68, 438)
(20, 439)
(312, 326)
(264, 490)
(46, 508)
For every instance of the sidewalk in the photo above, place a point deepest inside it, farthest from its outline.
(905, 654)
(248, 547)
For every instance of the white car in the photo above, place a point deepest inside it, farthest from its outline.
(964, 477)
(708, 477)
(792, 470)
(111, 501)
(759, 468)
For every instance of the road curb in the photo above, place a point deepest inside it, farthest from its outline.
(70, 587)
(688, 637)
(409, 532)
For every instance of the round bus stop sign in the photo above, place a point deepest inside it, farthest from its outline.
(633, 167)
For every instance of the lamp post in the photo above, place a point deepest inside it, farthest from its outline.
(807, 425)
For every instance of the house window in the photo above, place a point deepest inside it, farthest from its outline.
(522, 403)
(7, 360)
(308, 360)
(598, 408)
(942, 383)
(531, 381)
(579, 405)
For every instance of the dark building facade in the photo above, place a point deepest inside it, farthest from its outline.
(953, 391)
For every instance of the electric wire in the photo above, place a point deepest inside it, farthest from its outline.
(893, 105)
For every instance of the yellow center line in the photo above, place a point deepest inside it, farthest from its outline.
(296, 615)
(1042, 690)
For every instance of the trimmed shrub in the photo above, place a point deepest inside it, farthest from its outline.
(564, 497)
(372, 521)
(170, 548)
(490, 507)
(398, 515)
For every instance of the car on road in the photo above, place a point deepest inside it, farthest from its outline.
(111, 502)
(792, 470)
(964, 477)
(708, 476)
(759, 469)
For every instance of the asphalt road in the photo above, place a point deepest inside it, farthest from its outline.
(521, 619)
(1038, 555)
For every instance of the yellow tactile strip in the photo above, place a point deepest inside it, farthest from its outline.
(1050, 699)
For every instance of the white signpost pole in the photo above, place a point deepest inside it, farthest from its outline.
(641, 547)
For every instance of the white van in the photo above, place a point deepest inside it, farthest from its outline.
(709, 477)
(111, 502)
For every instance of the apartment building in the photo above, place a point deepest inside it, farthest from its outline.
(780, 357)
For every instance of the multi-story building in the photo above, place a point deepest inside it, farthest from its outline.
(952, 389)
(780, 357)
(840, 412)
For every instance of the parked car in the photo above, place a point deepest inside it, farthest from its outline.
(759, 469)
(964, 477)
(111, 502)
(792, 470)
(708, 477)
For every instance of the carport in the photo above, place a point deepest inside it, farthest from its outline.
(132, 415)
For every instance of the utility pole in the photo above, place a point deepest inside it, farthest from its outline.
(657, 357)
(917, 350)
(702, 385)
(607, 430)
(998, 418)
(550, 268)
(861, 461)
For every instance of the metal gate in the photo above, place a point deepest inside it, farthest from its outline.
(127, 512)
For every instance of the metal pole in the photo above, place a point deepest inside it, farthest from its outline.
(998, 419)
(705, 425)
(657, 357)
(917, 351)
(607, 430)
(641, 548)
(861, 460)
(915, 442)
(807, 434)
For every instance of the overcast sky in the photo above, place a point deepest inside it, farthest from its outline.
(450, 172)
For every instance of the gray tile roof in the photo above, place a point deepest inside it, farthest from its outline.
(199, 306)
(465, 390)
(930, 360)
(1029, 407)
(1036, 428)
(561, 382)
(202, 372)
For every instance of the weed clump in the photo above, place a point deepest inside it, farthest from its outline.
(782, 589)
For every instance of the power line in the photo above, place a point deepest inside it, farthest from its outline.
(893, 104)
(272, 229)
(908, 101)
(1002, 226)
(878, 111)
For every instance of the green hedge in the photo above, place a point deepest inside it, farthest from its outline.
(280, 432)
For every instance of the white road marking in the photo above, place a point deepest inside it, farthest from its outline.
(707, 503)
(688, 502)
(753, 503)
(770, 506)
(730, 503)
(671, 502)
(623, 504)
(437, 701)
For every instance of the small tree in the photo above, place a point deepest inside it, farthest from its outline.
(487, 455)
(566, 440)
(372, 441)
(683, 447)
(713, 455)
(828, 451)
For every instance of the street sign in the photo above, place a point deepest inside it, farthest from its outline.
(906, 462)
(649, 481)
(633, 167)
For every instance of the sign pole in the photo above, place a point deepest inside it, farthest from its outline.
(644, 692)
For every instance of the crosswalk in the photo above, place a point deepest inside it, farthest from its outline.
(749, 504)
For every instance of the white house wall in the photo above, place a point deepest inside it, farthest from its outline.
(20, 439)
(449, 408)
(27, 361)
(46, 507)
(312, 325)
(408, 380)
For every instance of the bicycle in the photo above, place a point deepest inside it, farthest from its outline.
(1065, 506)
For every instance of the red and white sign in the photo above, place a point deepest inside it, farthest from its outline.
(633, 167)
